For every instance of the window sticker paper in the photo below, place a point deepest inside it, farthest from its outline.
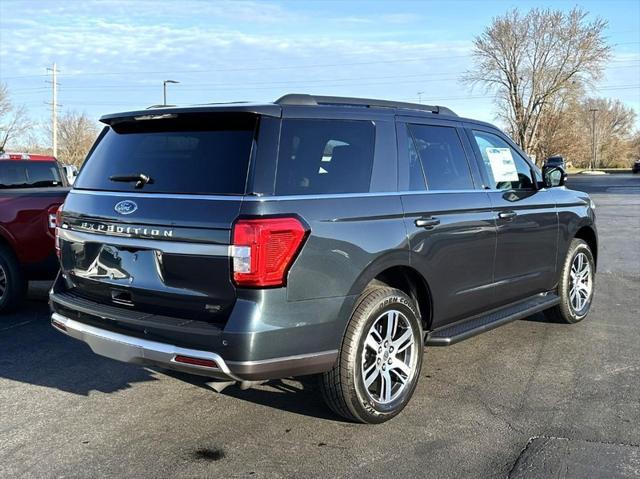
(502, 164)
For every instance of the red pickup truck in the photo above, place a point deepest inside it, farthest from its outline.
(32, 187)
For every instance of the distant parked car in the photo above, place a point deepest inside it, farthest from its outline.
(636, 167)
(556, 161)
(32, 187)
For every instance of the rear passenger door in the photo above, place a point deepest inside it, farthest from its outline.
(526, 218)
(450, 226)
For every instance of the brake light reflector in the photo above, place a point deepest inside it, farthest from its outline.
(59, 325)
(264, 249)
(208, 363)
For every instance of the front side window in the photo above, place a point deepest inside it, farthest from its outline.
(442, 157)
(325, 157)
(507, 170)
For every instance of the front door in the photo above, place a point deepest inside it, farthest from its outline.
(526, 218)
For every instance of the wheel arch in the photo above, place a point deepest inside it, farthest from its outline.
(6, 241)
(588, 234)
(396, 272)
(410, 281)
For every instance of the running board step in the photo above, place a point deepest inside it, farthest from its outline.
(462, 330)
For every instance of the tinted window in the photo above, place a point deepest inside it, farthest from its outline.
(325, 156)
(205, 155)
(442, 156)
(507, 170)
(416, 175)
(28, 173)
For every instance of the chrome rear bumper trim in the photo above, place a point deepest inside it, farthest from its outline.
(141, 351)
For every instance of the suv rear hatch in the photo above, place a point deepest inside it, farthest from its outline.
(147, 226)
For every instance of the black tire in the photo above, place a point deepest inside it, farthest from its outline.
(566, 311)
(343, 388)
(12, 285)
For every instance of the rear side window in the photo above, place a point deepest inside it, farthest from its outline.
(325, 156)
(189, 155)
(29, 174)
(444, 162)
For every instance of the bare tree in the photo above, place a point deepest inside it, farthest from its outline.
(634, 147)
(13, 119)
(568, 132)
(613, 132)
(531, 60)
(76, 134)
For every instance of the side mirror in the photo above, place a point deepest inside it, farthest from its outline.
(553, 176)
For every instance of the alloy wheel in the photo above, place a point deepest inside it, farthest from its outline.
(3, 282)
(580, 282)
(389, 357)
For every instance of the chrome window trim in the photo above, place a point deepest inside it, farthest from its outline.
(168, 247)
(272, 198)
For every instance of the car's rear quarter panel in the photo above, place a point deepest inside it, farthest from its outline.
(347, 247)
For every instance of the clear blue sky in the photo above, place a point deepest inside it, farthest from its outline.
(114, 54)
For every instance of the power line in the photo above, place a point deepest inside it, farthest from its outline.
(263, 68)
(425, 77)
(129, 104)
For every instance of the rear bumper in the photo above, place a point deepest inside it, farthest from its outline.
(130, 349)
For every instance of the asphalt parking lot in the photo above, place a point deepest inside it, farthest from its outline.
(530, 399)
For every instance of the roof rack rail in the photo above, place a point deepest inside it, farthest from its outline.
(312, 100)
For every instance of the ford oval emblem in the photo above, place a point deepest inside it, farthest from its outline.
(125, 207)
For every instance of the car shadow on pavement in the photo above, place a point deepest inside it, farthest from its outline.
(540, 318)
(299, 396)
(31, 351)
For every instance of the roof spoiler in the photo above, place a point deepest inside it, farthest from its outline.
(314, 100)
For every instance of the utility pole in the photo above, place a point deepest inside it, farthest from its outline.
(420, 96)
(593, 138)
(54, 109)
(164, 89)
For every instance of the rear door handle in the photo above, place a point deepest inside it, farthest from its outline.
(427, 222)
(507, 215)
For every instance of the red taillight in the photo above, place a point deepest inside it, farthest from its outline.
(52, 217)
(264, 249)
(208, 363)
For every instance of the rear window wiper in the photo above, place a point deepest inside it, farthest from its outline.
(140, 178)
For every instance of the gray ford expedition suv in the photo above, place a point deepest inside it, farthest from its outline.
(313, 235)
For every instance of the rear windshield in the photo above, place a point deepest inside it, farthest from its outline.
(188, 155)
(29, 174)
